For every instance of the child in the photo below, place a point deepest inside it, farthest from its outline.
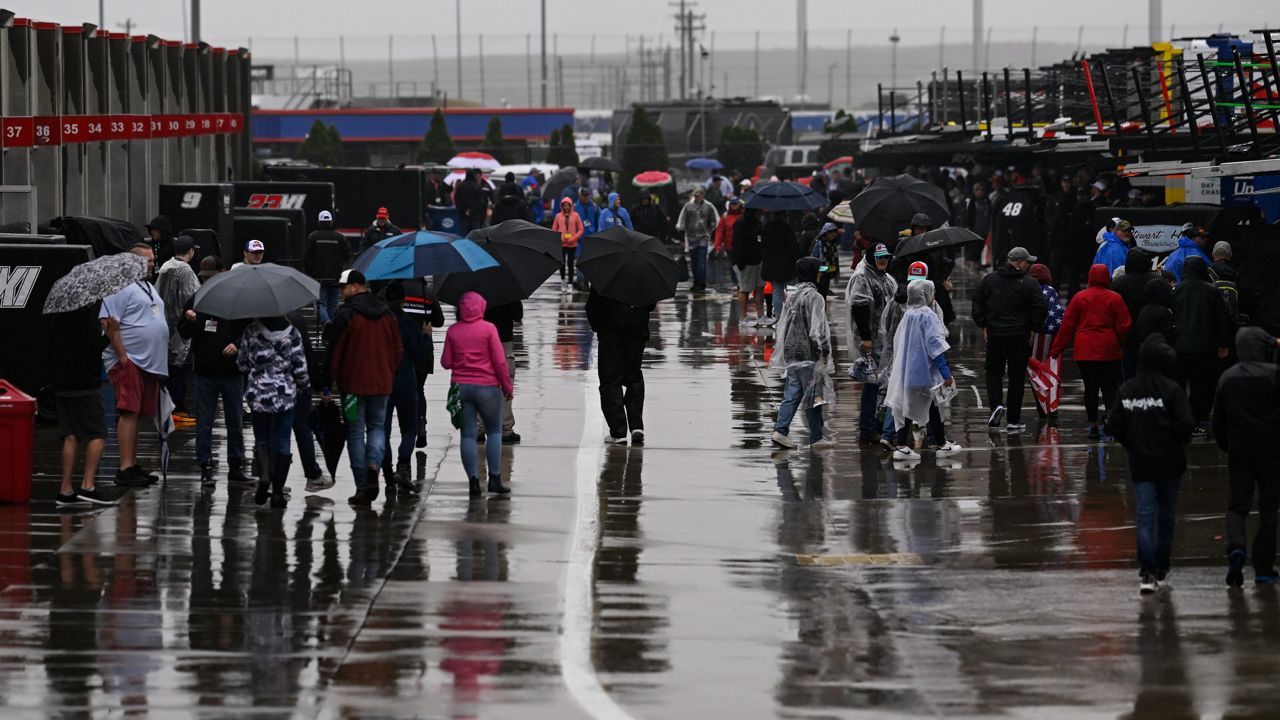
(919, 366)
(1153, 420)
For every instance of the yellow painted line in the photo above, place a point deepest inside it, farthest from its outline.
(859, 559)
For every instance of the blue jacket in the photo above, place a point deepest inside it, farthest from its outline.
(590, 215)
(1112, 252)
(609, 217)
(1186, 248)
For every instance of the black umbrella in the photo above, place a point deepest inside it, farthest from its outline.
(945, 237)
(251, 291)
(601, 163)
(628, 266)
(556, 184)
(888, 204)
(527, 255)
(330, 432)
(783, 196)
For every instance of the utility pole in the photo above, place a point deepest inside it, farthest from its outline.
(102, 14)
(1153, 21)
(482, 70)
(893, 57)
(457, 28)
(435, 67)
(391, 68)
(544, 53)
(802, 47)
(986, 51)
(1035, 32)
(755, 82)
(831, 72)
(848, 67)
(1124, 36)
(528, 66)
(977, 35)
(195, 20)
(942, 44)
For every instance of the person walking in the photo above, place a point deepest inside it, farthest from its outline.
(470, 201)
(176, 283)
(1132, 286)
(1153, 421)
(698, 220)
(421, 304)
(272, 356)
(826, 247)
(1204, 330)
(870, 290)
(1191, 243)
(1042, 341)
(587, 210)
(381, 229)
(722, 239)
(362, 357)
(803, 354)
(919, 373)
(1097, 321)
(1114, 249)
(570, 226)
(622, 331)
(779, 250)
(302, 409)
(473, 352)
(76, 361)
(649, 219)
(504, 318)
(747, 255)
(510, 204)
(137, 361)
(614, 214)
(1246, 425)
(403, 400)
(1156, 315)
(1008, 305)
(325, 256)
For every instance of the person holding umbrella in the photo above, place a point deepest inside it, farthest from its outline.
(403, 400)
(622, 330)
(570, 226)
(473, 352)
(271, 355)
(648, 218)
(77, 363)
(779, 250)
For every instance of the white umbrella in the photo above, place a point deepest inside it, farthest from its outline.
(474, 160)
(452, 179)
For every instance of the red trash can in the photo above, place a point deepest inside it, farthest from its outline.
(17, 443)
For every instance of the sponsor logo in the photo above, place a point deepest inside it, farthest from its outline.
(267, 201)
(16, 284)
(1146, 403)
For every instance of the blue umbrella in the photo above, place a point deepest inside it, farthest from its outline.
(783, 196)
(420, 253)
(704, 164)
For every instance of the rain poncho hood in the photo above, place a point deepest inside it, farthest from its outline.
(177, 284)
(804, 341)
(920, 339)
(873, 289)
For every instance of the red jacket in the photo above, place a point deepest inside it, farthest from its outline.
(1097, 319)
(722, 238)
(364, 346)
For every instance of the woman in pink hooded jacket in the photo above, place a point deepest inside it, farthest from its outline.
(474, 353)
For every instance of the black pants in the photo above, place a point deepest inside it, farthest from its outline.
(934, 432)
(1200, 373)
(1007, 354)
(621, 383)
(1244, 477)
(1100, 376)
(567, 255)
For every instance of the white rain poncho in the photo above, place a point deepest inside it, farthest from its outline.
(803, 339)
(920, 339)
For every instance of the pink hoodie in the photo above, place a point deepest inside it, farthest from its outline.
(472, 349)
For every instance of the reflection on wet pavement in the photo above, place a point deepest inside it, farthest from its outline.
(729, 579)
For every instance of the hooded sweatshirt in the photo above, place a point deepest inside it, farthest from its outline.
(510, 204)
(271, 353)
(472, 349)
(1113, 252)
(1246, 411)
(611, 215)
(1156, 316)
(364, 346)
(1133, 283)
(1152, 417)
(722, 239)
(1187, 248)
(1096, 319)
(569, 226)
(1204, 325)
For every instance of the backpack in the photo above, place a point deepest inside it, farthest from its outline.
(1230, 294)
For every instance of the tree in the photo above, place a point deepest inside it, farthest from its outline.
(562, 149)
(323, 145)
(337, 152)
(643, 148)
(553, 146)
(437, 146)
(494, 143)
(741, 149)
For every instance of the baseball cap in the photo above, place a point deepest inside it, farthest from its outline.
(828, 227)
(1195, 231)
(351, 276)
(746, 182)
(699, 191)
(1020, 253)
(382, 213)
(917, 271)
(184, 243)
(209, 267)
(1222, 249)
(735, 201)
(1124, 225)
(254, 246)
(881, 250)
(326, 216)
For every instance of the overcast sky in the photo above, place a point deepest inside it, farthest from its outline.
(271, 23)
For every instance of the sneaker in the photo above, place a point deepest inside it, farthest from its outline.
(360, 498)
(1015, 428)
(822, 443)
(887, 443)
(748, 322)
(97, 496)
(207, 481)
(611, 440)
(1147, 584)
(69, 499)
(948, 447)
(1266, 577)
(151, 477)
(1235, 569)
(319, 483)
(905, 453)
(1199, 431)
(511, 438)
(637, 437)
(131, 477)
(1162, 577)
(768, 322)
(997, 417)
(783, 441)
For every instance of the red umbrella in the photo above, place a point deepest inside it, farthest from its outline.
(477, 160)
(651, 178)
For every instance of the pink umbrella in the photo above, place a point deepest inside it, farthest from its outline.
(475, 160)
(651, 178)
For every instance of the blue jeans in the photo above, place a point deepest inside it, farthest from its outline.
(329, 300)
(867, 411)
(366, 437)
(405, 405)
(302, 434)
(486, 400)
(779, 298)
(1157, 509)
(797, 381)
(209, 389)
(698, 261)
(271, 437)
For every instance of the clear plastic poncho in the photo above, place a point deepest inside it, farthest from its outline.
(920, 339)
(803, 340)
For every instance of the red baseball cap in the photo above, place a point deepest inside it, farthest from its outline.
(917, 271)
(382, 213)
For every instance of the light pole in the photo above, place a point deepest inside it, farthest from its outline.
(457, 18)
(831, 98)
(544, 53)
(893, 44)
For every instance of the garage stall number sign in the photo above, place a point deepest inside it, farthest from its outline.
(39, 131)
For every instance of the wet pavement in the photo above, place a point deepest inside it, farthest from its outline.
(701, 575)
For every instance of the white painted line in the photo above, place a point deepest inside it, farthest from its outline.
(977, 395)
(576, 666)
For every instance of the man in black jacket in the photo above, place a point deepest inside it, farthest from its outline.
(421, 305)
(649, 218)
(1204, 334)
(324, 258)
(436, 192)
(1132, 286)
(747, 255)
(1009, 305)
(1153, 421)
(381, 229)
(505, 317)
(213, 351)
(470, 201)
(779, 250)
(511, 204)
(621, 333)
(1246, 425)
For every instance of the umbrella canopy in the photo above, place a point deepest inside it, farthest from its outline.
(704, 164)
(527, 255)
(453, 177)
(628, 266)
(477, 160)
(330, 432)
(91, 281)
(651, 178)
(252, 291)
(421, 253)
(944, 237)
(556, 184)
(783, 196)
(601, 163)
(841, 213)
(886, 206)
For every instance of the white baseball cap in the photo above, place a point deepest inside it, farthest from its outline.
(255, 246)
(326, 216)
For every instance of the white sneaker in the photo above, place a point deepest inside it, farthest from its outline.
(324, 482)
(1015, 428)
(997, 417)
(823, 443)
(783, 441)
(768, 322)
(948, 447)
(748, 322)
(611, 440)
(905, 453)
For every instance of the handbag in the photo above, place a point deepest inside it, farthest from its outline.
(350, 408)
(454, 405)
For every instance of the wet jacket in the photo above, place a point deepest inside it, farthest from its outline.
(422, 307)
(1008, 303)
(610, 317)
(612, 216)
(1246, 411)
(697, 222)
(589, 213)
(364, 346)
(209, 336)
(326, 254)
(1096, 319)
(271, 353)
(868, 292)
(779, 251)
(571, 228)
(1152, 417)
(472, 349)
(176, 284)
(436, 193)
(1133, 283)
(415, 352)
(470, 200)
(722, 238)
(1204, 325)
(374, 234)
(1187, 248)
(1113, 252)
(747, 244)
(1156, 316)
(510, 204)
(504, 318)
(650, 220)
(76, 345)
